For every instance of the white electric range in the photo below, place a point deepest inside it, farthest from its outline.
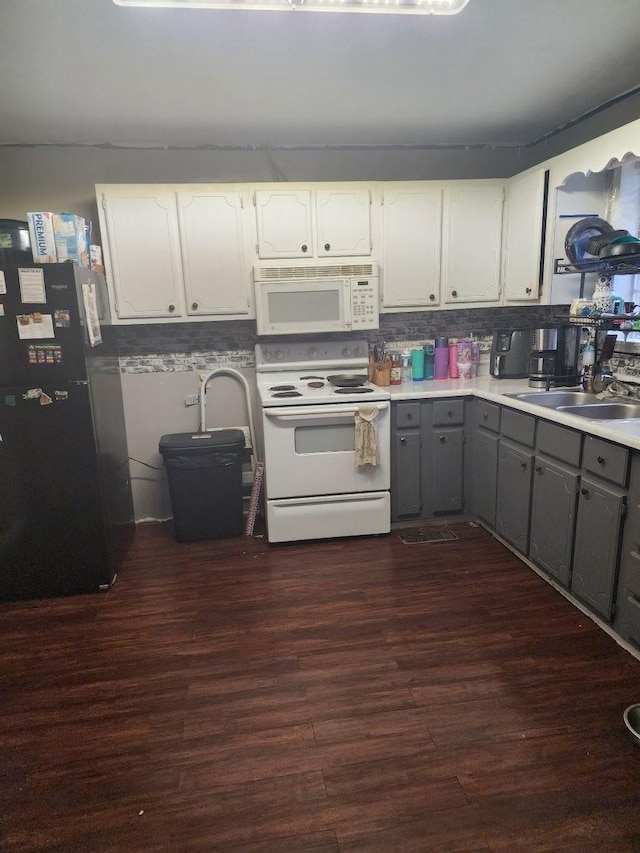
(314, 489)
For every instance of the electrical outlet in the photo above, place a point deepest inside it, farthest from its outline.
(191, 400)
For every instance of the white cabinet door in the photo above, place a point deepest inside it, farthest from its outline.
(216, 274)
(343, 222)
(144, 253)
(522, 246)
(412, 230)
(284, 223)
(471, 243)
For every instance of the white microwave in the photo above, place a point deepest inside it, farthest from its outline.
(321, 298)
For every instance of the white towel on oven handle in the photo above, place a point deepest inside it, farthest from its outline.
(366, 439)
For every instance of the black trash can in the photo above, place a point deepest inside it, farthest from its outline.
(205, 483)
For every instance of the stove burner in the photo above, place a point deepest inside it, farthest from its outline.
(302, 378)
(316, 384)
(282, 388)
(357, 390)
(287, 393)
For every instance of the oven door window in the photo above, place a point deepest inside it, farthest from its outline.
(329, 438)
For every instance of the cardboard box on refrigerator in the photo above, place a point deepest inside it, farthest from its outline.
(41, 235)
(70, 235)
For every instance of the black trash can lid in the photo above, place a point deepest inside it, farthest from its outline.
(199, 442)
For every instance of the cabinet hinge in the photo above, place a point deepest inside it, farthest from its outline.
(504, 194)
(257, 248)
(255, 203)
(623, 510)
(104, 202)
(241, 202)
(614, 609)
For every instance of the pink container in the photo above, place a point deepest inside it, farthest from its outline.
(453, 361)
(465, 369)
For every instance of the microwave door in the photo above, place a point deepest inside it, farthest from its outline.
(294, 307)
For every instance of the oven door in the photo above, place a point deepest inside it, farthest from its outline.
(310, 450)
(293, 307)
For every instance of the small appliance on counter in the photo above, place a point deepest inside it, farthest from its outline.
(510, 354)
(555, 357)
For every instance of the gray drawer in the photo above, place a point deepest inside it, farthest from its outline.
(407, 415)
(488, 415)
(448, 412)
(606, 460)
(559, 442)
(518, 426)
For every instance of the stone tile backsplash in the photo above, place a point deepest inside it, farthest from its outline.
(172, 347)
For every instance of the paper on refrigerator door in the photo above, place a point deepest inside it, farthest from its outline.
(91, 314)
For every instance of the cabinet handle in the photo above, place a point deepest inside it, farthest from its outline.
(454, 293)
(602, 460)
(528, 290)
(327, 246)
(584, 492)
(539, 469)
(409, 417)
(523, 465)
(432, 297)
(449, 413)
(403, 441)
(485, 416)
(443, 440)
(172, 307)
(304, 247)
(194, 306)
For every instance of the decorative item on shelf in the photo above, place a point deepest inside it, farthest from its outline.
(604, 299)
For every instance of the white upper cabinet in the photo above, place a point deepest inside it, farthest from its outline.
(472, 242)
(216, 274)
(142, 252)
(283, 218)
(523, 246)
(411, 235)
(306, 223)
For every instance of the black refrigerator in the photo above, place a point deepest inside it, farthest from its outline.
(66, 513)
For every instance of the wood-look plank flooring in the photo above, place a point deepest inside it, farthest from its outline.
(356, 695)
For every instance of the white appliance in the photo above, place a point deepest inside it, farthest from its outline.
(321, 298)
(313, 488)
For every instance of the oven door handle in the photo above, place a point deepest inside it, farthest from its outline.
(317, 411)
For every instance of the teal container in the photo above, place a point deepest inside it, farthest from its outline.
(429, 356)
(417, 365)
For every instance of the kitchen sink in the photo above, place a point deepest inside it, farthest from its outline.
(582, 404)
(554, 399)
(604, 411)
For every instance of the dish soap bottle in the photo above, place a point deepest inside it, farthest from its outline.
(588, 361)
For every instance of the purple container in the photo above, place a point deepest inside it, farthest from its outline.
(441, 360)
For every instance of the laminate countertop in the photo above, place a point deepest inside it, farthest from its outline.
(625, 432)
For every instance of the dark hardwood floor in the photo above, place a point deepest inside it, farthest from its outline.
(353, 695)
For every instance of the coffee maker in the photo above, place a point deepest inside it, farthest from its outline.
(555, 357)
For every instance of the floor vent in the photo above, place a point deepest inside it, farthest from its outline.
(428, 536)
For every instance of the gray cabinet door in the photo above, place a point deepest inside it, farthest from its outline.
(486, 465)
(513, 505)
(627, 610)
(553, 509)
(407, 478)
(595, 559)
(446, 470)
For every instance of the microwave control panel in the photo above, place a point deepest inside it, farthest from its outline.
(364, 303)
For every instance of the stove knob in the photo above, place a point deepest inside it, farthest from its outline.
(267, 355)
(312, 352)
(346, 352)
(357, 352)
(278, 355)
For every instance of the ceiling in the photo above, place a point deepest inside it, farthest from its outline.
(502, 72)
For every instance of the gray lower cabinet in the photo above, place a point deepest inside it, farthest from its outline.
(597, 545)
(601, 510)
(427, 458)
(485, 460)
(515, 465)
(553, 513)
(556, 480)
(627, 608)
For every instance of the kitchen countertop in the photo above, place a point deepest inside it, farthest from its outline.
(487, 388)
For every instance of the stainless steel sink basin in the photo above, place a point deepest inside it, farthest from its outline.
(554, 399)
(604, 411)
(582, 404)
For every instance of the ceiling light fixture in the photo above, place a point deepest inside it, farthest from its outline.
(379, 7)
